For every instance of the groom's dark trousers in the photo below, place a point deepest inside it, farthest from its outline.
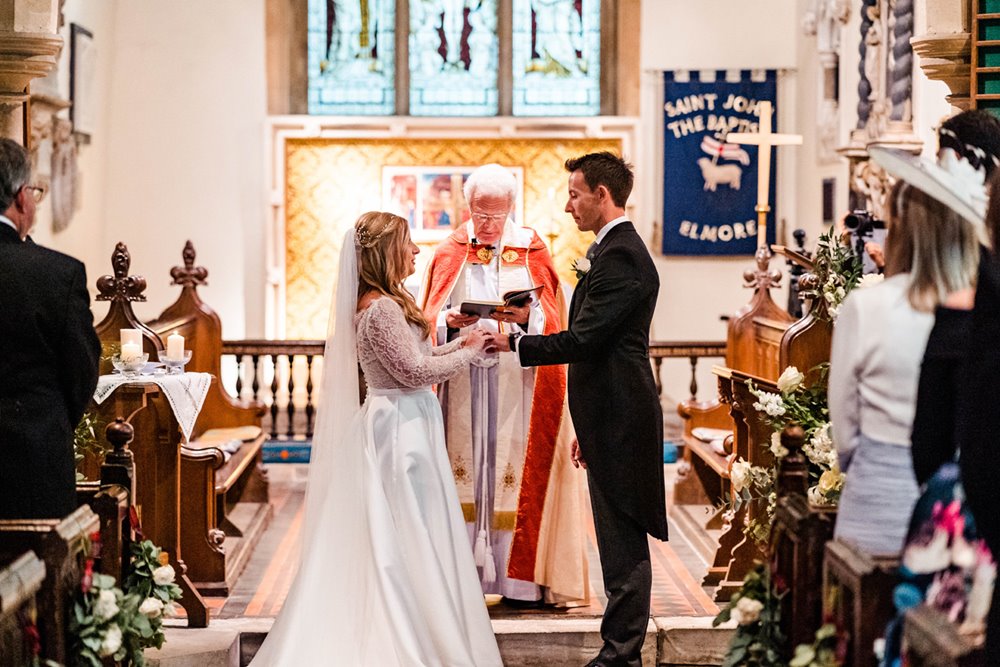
(619, 425)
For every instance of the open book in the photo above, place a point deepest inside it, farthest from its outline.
(486, 308)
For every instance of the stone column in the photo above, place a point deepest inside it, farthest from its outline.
(29, 47)
(945, 50)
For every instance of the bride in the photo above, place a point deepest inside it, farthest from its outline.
(386, 576)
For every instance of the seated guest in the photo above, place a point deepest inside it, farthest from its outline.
(48, 355)
(878, 343)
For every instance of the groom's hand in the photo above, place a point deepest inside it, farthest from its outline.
(500, 342)
(577, 457)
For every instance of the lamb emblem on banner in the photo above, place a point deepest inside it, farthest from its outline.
(724, 174)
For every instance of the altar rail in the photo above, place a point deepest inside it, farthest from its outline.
(285, 375)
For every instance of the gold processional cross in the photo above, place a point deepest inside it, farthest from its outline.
(764, 139)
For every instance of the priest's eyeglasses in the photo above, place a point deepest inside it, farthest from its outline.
(38, 192)
(484, 217)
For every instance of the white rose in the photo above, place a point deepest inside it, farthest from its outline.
(870, 280)
(582, 265)
(740, 475)
(747, 611)
(112, 641)
(790, 380)
(151, 607)
(170, 610)
(106, 605)
(778, 449)
(163, 575)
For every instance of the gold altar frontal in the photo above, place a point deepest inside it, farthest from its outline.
(332, 181)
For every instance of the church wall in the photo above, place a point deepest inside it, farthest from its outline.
(712, 34)
(83, 238)
(185, 147)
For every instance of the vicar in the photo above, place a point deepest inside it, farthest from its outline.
(48, 355)
(612, 395)
(507, 433)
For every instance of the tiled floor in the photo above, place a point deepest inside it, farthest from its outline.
(260, 591)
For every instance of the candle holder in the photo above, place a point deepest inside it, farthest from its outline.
(131, 367)
(174, 366)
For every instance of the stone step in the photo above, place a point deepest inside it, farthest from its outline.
(524, 642)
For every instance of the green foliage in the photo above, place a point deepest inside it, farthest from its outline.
(85, 440)
(134, 622)
(823, 652)
(837, 269)
(756, 608)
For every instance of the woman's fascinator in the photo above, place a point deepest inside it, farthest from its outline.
(953, 182)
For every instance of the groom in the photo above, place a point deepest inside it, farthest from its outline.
(612, 396)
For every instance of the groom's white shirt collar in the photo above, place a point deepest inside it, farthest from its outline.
(7, 221)
(607, 228)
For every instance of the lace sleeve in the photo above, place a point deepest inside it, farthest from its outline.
(447, 348)
(397, 349)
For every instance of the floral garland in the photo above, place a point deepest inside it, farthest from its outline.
(108, 622)
(805, 405)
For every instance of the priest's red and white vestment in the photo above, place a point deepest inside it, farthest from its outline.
(507, 428)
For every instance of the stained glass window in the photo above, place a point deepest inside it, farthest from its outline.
(352, 57)
(453, 58)
(557, 57)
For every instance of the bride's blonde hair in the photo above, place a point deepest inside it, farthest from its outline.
(384, 262)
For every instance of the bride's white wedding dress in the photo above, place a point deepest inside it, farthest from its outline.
(386, 575)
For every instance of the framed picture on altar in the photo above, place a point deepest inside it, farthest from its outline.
(431, 198)
(82, 69)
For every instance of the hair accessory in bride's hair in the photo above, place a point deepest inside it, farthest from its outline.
(365, 238)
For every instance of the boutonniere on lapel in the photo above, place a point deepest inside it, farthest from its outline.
(581, 265)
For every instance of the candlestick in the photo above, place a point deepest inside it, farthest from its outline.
(175, 346)
(131, 337)
(130, 351)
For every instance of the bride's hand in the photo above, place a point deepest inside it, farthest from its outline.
(477, 339)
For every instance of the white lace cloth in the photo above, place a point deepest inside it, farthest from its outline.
(185, 393)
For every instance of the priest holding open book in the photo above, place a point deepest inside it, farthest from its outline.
(507, 428)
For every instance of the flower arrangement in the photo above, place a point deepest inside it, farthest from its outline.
(756, 608)
(108, 622)
(803, 404)
(580, 266)
(837, 270)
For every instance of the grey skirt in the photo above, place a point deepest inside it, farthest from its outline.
(878, 497)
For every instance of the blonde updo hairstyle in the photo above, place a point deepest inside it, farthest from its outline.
(384, 257)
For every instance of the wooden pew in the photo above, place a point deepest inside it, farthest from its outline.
(157, 444)
(762, 342)
(219, 539)
(20, 587)
(931, 640)
(63, 545)
(857, 593)
(753, 344)
(156, 448)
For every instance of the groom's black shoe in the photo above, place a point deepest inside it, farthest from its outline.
(522, 604)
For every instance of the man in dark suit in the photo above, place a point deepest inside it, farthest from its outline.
(612, 396)
(48, 354)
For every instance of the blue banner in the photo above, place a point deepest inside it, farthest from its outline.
(709, 185)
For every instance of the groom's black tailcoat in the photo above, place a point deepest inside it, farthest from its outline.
(49, 355)
(612, 394)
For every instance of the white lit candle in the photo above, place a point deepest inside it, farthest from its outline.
(175, 346)
(130, 352)
(132, 337)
